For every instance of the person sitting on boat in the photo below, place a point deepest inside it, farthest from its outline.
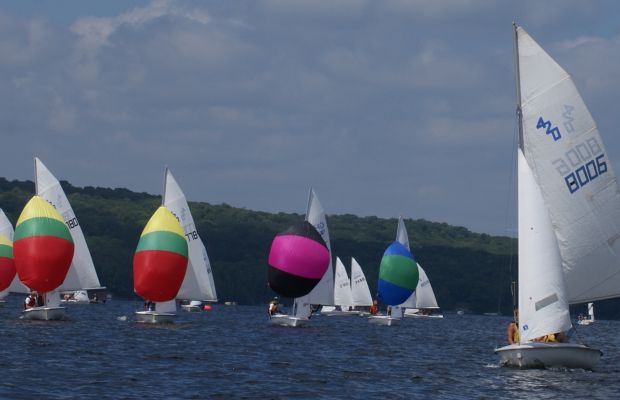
(29, 302)
(373, 308)
(559, 337)
(273, 306)
(512, 333)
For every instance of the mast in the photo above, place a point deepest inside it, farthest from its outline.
(36, 179)
(163, 193)
(309, 202)
(518, 83)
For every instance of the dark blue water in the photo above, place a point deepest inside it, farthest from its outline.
(231, 352)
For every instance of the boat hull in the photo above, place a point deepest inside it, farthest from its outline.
(154, 317)
(338, 313)
(383, 320)
(191, 308)
(585, 322)
(548, 355)
(44, 313)
(287, 320)
(411, 315)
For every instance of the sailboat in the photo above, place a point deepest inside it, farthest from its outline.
(322, 293)
(159, 266)
(398, 278)
(198, 285)
(590, 318)
(422, 302)
(82, 274)
(42, 250)
(16, 286)
(359, 288)
(569, 212)
(343, 295)
(7, 265)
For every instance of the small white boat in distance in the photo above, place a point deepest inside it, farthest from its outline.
(164, 313)
(193, 306)
(393, 318)
(51, 311)
(590, 318)
(300, 315)
(343, 298)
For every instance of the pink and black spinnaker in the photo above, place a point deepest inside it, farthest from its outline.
(298, 259)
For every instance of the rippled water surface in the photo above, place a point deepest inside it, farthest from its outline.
(231, 352)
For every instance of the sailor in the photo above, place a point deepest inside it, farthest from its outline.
(373, 308)
(512, 333)
(29, 302)
(273, 306)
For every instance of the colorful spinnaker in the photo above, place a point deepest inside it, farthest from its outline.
(160, 260)
(7, 265)
(42, 246)
(398, 275)
(298, 259)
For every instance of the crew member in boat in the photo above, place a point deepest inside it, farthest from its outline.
(512, 333)
(273, 306)
(373, 308)
(29, 302)
(559, 337)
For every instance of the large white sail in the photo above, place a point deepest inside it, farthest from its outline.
(543, 304)
(569, 162)
(424, 295)
(323, 292)
(198, 283)
(342, 287)
(360, 293)
(82, 274)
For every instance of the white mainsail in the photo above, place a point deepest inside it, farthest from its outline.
(360, 293)
(543, 305)
(198, 283)
(342, 287)
(401, 233)
(323, 292)
(82, 274)
(571, 167)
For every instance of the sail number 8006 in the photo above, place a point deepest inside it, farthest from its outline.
(586, 162)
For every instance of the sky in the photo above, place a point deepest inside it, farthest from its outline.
(385, 108)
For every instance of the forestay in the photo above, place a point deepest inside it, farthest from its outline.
(571, 167)
(198, 283)
(82, 274)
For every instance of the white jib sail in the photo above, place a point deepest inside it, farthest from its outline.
(6, 229)
(342, 287)
(323, 292)
(543, 304)
(198, 283)
(424, 295)
(169, 306)
(571, 166)
(82, 274)
(360, 293)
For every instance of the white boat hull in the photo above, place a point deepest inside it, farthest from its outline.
(438, 316)
(154, 317)
(44, 313)
(338, 313)
(585, 322)
(548, 355)
(287, 320)
(189, 308)
(383, 320)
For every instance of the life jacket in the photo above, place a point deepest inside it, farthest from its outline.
(515, 335)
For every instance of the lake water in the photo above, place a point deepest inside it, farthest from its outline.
(231, 352)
